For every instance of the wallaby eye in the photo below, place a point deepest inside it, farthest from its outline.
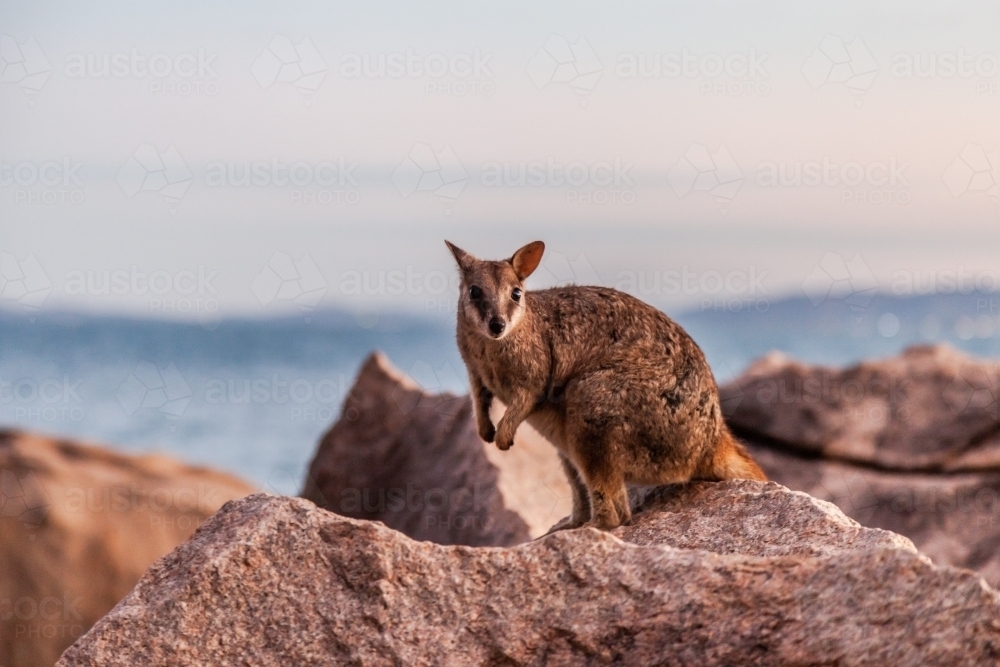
(516, 294)
(475, 292)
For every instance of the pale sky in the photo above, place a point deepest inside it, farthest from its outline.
(653, 138)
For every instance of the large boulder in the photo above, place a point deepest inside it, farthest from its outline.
(78, 526)
(910, 444)
(930, 410)
(413, 460)
(731, 573)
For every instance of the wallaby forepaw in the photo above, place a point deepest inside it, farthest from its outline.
(504, 438)
(488, 433)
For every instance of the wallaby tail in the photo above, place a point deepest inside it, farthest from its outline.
(732, 461)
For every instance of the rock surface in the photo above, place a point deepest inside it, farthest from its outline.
(78, 527)
(910, 444)
(734, 573)
(931, 409)
(413, 460)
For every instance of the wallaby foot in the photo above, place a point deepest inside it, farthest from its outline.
(609, 503)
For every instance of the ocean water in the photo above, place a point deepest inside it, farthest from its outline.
(253, 397)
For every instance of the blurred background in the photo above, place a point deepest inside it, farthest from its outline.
(211, 214)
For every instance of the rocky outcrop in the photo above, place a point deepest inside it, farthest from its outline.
(910, 444)
(732, 573)
(930, 410)
(78, 527)
(414, 461)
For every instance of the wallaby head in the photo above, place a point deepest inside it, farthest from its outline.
(491, 293)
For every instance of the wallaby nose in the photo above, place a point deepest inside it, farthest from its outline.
(497, 326)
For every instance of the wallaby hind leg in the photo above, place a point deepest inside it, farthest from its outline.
(608, 496)
(606, 499)
(623, 508)
(581, 498)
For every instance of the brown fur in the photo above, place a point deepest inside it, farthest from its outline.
(617, 386)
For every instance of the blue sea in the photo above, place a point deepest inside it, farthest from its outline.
(253, 397)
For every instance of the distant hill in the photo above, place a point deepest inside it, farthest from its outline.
(833, 332)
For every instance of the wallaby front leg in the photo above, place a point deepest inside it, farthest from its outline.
(482, 399)
(517, 412)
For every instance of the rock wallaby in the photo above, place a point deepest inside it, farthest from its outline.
(623, 392)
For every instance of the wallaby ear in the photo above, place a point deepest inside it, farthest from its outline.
(463, 258)
(526, 259)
